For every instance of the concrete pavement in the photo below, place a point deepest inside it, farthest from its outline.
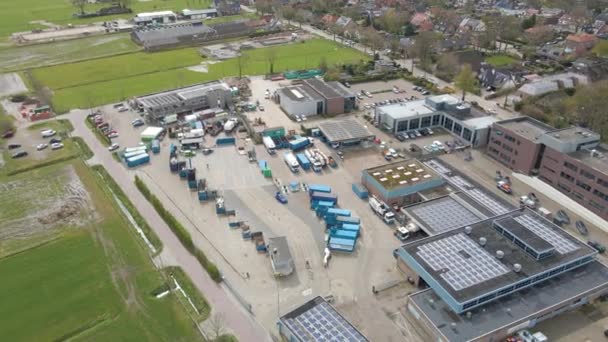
(237, 321)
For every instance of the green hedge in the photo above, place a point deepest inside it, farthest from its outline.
(39, 165)
(195, 295)
(141, 222)
(179, 230)
(100, 136)
(85, 151)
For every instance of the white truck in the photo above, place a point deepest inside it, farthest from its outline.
(291, 162)
(230, 124)
(269, 144)
(403, 233)
(316, 164)
(382, 210)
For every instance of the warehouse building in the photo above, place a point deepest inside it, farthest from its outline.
(572, 159)
(153, 18)
(315, 96)
(344, 132)
(469, 124)
(398, 183)
(214, 94)
(495, 277)
(317, 321)
(199, 13)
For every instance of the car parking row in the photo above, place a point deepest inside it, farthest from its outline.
(423, 132)
(55, 144)
(389, 101)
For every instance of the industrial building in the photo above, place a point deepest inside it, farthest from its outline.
(571, 160)
(214, 94)
(492, 278)
(344, 132)
(317, 321)
(280, 256)
(199, 13)
(151, 18)
(396, 183)
(460, 119)
(315, 96)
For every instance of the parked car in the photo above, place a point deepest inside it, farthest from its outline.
(8, 134)
(280, 197)
(261, 108)
(123, 109)
(118, 105)
(430, 131)
(19, 154)
(347, 85)
(113, 147)
(412, 135)
(400, 137)
(426, 92)
(112, 131)
(56, 146)
(112, 135)
(137, 122)
(47, 133)
(417, 133)
(41, 147)
(597, 246)
(55, 140)
(13, 146)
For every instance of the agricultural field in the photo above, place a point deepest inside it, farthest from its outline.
(73, 269)
(105, 80)
(23, 57)
(500, 60)
(25, 15)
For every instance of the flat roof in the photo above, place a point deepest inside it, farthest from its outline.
(598, 161)
(171, 97)
(526, 127)
(280, 254)
(344, 130)
(318, 321)
(406, 110)
(442, 214)
(151, 14)
(401, 174)
(307, 93)
(573, 133)
(466, 269)
(328, 89)
(480, 122)
(513, 309)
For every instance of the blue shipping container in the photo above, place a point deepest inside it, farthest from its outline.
(299, 143)
(344, 245)
(304, 162)
(138, 160)
(320, 196)
(225, 141)
(155, 146)
(348, 220)
(338, 212)
(360, 191)
(316, 204)
(344, 234)
(319, 188)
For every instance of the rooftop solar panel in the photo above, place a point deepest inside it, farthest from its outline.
(433, 215)
(544, 231)
(460, 261)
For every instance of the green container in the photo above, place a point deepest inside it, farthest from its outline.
(274, 132)
(267, 173)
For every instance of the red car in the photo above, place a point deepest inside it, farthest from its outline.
(8, 134)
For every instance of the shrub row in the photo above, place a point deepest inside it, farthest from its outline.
(40, 165)
(100, 136)
(141, 222)
(195, 295)
(85, 151)
(179, 230)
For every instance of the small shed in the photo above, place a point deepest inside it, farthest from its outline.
(280, 257)
(151, 133)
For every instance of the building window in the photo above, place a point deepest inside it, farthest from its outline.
(505, 157)
(414, 123)
(596, 205)
(578, 195)
(496, 142)
(436, 119)
(448, 123)
(587, 174)
(602, 182)
(600, 195)
(509, 138)
(548, 169)
(466, 134)
(550, 158)
(498, 132)
(507, 148)
(567, 177)
(402, 126)
(493, 150)
(457, 129)
(583, 185)
(425, 122)
(563, 187)
(571, 166)
(518, 142)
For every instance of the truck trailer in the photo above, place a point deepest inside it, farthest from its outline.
(382, 210)
(269, 144)
(138, 160)
(291, 162)
(304, 162)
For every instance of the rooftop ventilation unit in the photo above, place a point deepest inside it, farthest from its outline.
(517, 268)
(468, 229)
(500, 254)
(482, 241)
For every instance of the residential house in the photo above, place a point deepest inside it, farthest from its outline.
(580, 44)
(419, 18)
(549, 16)
(595, 68)
(556, 52)
(349, 27)
(566, 23)
(454, 43)
(471, 25)
(495, 79)
(329, 19)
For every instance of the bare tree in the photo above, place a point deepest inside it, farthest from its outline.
(271, 57)
(79, 5)
(216, 325)
(288, 13)
(241, 61)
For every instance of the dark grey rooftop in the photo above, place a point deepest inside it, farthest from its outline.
(432, 215)
(170, 33)
(307, 93)
(526, 127)
(598, 161)
(175, 96)
(280, 255)
(328, 89)
(317, 321)
(457, 244)
(344, 130)
(513, 309)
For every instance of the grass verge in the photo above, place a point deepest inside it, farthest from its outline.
(140, 220)
(179, 230)
(199, 301)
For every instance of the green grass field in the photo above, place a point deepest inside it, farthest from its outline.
(17, 16)
(106, 80)
(90, 283)
(500, 60)
(19, 58)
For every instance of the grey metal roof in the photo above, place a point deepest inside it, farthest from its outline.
(307, 92)
(511, 310)
(344, 130)
(175, 96)
(432, 214)
(328, 89)
(280, 255)
(169, 34)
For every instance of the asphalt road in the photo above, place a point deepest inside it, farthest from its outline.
(237, 321)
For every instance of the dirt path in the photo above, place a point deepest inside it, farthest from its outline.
(237, 321)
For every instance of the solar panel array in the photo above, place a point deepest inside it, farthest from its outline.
(493, 205)
(346, 129)
(434, 215)
(461, 182)
(323, 324)
(438, 167)
(462, 262)
(544, 231)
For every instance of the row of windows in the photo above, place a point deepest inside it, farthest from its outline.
(587, 174)
(601, 195)
(571, 166)
(567, 177)
(493, 150)
(505, 157)
(427, 121)
(548, 169)
(508, 148)
(496, 142)
(583, 185)
(596, 205)
(509, 138)
(602, 182)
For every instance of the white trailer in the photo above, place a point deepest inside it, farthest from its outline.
(382, 210)
(291, 162)
(269, 144)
